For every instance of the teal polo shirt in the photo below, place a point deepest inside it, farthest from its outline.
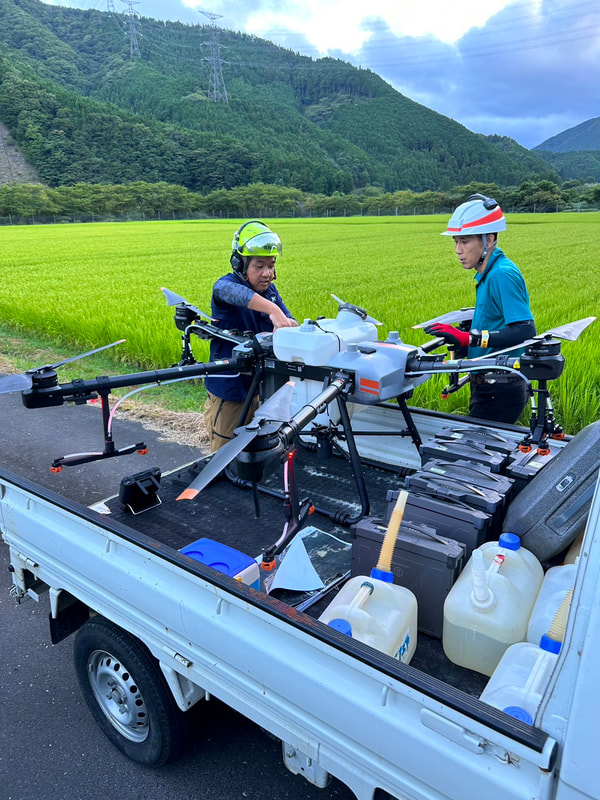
(501, 298)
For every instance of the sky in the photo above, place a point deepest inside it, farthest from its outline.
(527, 69)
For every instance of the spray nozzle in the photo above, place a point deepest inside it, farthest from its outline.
(481, 595)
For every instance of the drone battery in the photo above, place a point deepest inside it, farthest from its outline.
(453, 450)
(458, 490)
(476, 474)
(523, 467)
(422, 561)
(491, 440)
(552, 510)
(224, 559)
(450, 519)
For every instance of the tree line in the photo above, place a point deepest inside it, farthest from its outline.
(88, 201)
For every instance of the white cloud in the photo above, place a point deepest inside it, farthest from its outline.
(345, 25)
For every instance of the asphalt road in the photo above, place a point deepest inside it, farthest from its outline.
(50, 747)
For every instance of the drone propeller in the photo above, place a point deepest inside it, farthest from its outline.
(24, 380)
(276, 409)
(368, 318)
(464, 315)
(176, 300)
(571, 332)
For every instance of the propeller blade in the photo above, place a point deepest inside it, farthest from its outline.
(21, 382)
(176, 300)
(14, 383)
(570, 332)
(76, 358)
(368, 318)
(276, 409)
(221, 459)
(464, 315)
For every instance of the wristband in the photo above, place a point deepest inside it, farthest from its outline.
(485, 337)
(475, 338)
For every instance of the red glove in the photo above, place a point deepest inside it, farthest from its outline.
(451, 335)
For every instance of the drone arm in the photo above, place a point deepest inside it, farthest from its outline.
(308, 412)
(79, 391)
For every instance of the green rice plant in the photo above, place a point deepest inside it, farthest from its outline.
(86, 285)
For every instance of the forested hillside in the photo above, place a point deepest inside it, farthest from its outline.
(585, 136)
(82, 110)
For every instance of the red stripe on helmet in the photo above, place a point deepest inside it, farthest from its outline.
(493, 217)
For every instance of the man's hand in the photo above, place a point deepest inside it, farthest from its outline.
(279, 319)
(451, 335)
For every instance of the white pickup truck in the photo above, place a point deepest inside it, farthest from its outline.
(158, 632)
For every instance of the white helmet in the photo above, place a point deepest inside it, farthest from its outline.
(479, 215)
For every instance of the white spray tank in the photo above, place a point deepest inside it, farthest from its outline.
(374, 610)
(488, 607)
(314, 343)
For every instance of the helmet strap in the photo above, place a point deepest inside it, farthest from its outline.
(486, 249)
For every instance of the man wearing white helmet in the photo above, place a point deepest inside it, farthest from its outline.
(502, 316)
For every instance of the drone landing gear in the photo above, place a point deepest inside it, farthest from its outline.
(110, 451)
(542, 425)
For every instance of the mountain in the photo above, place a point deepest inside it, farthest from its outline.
(585, 136)
(82, 110)
(583, 165)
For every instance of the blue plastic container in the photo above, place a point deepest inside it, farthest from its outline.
(224, 559)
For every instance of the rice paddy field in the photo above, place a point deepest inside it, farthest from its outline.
(70, 288)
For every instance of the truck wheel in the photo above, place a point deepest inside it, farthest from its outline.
(126, 692)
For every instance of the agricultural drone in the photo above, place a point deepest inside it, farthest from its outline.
(307, 375)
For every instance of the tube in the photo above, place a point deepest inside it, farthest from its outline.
(389, 540)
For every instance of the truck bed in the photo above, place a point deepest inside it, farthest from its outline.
(227, 512)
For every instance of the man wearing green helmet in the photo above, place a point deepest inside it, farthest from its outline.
(502, 316)
(245, 300)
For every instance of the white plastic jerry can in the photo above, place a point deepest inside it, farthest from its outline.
(375, 612)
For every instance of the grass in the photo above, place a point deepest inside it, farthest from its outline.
(70, 288)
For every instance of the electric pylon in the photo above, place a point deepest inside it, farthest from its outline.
(134, 48)
(216, 83)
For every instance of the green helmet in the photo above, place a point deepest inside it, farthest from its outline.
(253, 239)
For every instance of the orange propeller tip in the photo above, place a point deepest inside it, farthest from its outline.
(188, 494)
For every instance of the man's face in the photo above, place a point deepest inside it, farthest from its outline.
(260, 273)
(469, 250)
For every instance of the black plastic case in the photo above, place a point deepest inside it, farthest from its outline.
(423, 561)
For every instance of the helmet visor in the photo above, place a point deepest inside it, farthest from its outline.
(263, 244)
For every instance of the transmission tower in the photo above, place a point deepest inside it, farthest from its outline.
(130, 24)
(134, 48)
(216, 84)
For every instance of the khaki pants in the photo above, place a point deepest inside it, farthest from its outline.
(222, 418)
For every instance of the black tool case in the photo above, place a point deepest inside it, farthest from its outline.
(551, 511)
(450, 519)
(423, 561)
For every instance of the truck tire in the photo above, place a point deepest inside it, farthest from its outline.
(127, 694)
